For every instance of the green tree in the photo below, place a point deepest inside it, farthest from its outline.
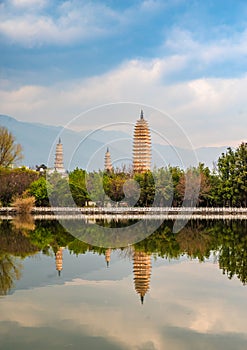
(95, 187)
(147, 188)
(163, 186)
(40, 189)
(10, 151)
(232, 171)
(60, 194)
(176, 174)
(78, 186)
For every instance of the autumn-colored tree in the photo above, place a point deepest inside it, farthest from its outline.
(23, 204)
(194, 185)
(114, 185)
(14, 182)
(10, 151)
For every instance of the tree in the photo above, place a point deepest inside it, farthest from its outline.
(40, 189)
(194, 185)
(60, 194)
(78, 188)
(176, 174)
(147, 188)
(232, 169)
(10, 151)
(113, 184)
(164, 186)
(95, 187)
(14, 182)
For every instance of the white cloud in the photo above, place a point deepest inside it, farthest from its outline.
(212, 111)
(29, 3)
(210, 51)
(152, 5)
(197, 304)
(32, 23)
(71, 22)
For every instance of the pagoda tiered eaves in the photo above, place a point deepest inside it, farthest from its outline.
(142, 272)
(141, 146)
(108, 163)
(59, 158)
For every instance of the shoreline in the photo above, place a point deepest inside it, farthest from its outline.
(118, 213)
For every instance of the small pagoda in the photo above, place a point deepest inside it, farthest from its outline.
(108, 256)
(59, 260)
(108, 163)
(58, 165)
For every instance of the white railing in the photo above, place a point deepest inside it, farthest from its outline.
(134, 210)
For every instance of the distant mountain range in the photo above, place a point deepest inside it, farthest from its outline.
(86, 149)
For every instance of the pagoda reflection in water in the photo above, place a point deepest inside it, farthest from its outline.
(108, 256)
(59, 260)
(142, 268)
(142, 272)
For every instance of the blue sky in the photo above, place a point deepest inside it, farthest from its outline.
(186, 58)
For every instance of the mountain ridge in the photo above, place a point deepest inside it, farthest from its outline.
(38, 141)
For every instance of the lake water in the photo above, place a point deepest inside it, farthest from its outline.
(183, 291)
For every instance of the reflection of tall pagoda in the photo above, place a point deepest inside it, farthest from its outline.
(59, 158)
(108, 256)
(59, 260)
(141, 146)
(142, 272)
(108, 164)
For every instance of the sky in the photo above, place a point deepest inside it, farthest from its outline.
(185, 58)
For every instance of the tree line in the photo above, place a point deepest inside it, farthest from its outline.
(198, 240)
(225, 185)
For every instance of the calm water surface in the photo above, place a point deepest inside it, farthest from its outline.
(172, 291)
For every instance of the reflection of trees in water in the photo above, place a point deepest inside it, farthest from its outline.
(13, 245)
(201, 238)
(231, 239)
(12, 241)
(10, 270)
(197, 240)
(126, 253)
(100, 236)
(24, 223)
(162, 243)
